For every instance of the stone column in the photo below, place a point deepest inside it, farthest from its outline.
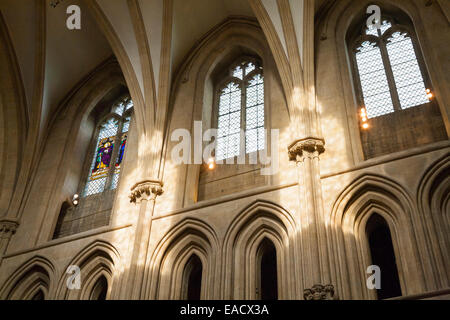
(314, 255)
(8, 228)
(143, 194)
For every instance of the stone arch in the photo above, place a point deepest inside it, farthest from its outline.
(259, 221)
(164, 277)
(14, 122)
(194, 76)
(100, 289)
(433, 198)
(332, 57)
(71, 123)
(34, 276)
(365, 196)
(97, 260)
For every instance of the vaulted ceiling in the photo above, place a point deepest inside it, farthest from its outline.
(71, 55)
(150, 39)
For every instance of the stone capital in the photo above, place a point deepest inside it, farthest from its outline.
(8, 227)
(320, 292)
(313, 146)
(146, 190)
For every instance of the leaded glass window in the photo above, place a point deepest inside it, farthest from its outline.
(241, 107)
(110, 145)
(388, 71)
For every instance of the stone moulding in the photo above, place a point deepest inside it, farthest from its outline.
(146, 190)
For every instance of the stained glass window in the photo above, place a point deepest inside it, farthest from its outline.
(241, 106)
(109, 150)
(389, 73)
(121, 153)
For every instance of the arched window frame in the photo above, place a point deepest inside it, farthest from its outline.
(381, 42)
(243, 85)
(125, 118)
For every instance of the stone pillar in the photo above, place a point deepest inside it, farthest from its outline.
(314, 255)
(143, 194)
(8, 228)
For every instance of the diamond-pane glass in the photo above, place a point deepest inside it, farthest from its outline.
(115, 181)
(119, 109)
(249, 68)
(126, 125)
(238, 72)
(94, 187)
(229, 122)
(407, 75)
(255, 138)
(230, 112)
(385, 26)
(374, 84)
(129, 105)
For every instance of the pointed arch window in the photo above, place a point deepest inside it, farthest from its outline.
(193, 279)
(241, 108)
(109, 150)
(390, 74)
(383, 256)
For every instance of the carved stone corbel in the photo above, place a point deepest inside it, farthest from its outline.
(8, 228)
(320, 292)
(310, 146)
(146, 190)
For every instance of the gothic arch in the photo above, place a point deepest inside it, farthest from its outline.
(34, 276)
(331, 49)
(97, 260)
(71, 115)
(368, 195)
(164, 276)
(433, 198)
(13, 119)
(192, 79)
(259, 221)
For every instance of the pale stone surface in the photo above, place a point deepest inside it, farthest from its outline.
(314, 209)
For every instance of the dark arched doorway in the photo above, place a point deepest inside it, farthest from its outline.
(100, 289)
(383, 256)
(268, 284)
(193, 279)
